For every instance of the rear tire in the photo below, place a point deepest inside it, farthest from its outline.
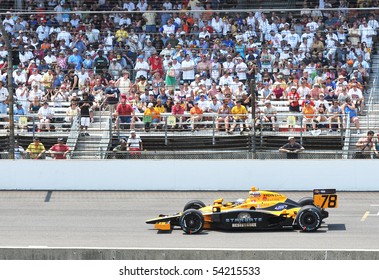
(306, 201)
(192, 221)
(194, 204)
(309, 218)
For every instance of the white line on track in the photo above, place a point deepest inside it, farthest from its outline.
(365, 216)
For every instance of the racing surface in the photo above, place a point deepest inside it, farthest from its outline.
(117, 219)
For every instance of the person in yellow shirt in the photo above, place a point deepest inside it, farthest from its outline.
(36, 150)
(159, 106)
(121, 34)
(47, 80)
(151, 115)
(239, 114)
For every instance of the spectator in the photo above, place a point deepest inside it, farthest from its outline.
(223, 116)
(19, 152)
(292, 148)
(134, 144)
(4, 95)
(141, 68)
(72, 112)
(178, 111)
(366, 146)
(124, 113)
(59, 150)
(357, 97)
(100, 62)
(335, 116)
(350, 110)
(85, 105)
(239, 115)
(112, 95)
(196, 116)
(269, 115)
(294, 97)
(309, 114)
(151, 115)
(45, 116)
(36, 149)
(120, 150)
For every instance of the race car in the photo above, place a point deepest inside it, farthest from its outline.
(262, 210)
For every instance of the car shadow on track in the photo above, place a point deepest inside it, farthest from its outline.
(336, 227)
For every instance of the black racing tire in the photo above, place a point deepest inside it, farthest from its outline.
(309, 218)
(191, 221)
(306, 201)
(193, 204)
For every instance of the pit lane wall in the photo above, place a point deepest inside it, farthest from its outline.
(287, 175)
(181, 254)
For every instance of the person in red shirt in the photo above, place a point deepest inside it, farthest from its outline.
(124, 113)
(156, 64)
(59, 150)
(307, 98)
(294, 97)
(178, 111)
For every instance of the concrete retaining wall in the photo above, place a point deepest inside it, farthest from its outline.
(181, 254)
(344, 175)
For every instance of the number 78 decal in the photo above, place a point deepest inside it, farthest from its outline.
(326, 200)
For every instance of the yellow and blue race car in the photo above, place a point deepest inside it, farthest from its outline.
(262, 210)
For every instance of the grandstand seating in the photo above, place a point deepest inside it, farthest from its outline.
(103, 135)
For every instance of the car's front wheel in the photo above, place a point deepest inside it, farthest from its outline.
(309, 218)
(192, 221)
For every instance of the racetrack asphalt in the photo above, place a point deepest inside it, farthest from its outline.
(116, 219)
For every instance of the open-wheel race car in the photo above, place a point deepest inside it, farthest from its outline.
(262, 210)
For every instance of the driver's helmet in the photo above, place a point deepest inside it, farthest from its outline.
(239, 201)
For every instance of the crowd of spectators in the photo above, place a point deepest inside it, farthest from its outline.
(188, 55)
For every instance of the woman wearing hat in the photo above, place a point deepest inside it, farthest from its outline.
(151, 115)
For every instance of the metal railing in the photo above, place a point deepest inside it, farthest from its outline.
(258, 132)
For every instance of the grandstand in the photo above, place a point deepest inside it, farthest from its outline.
(99, 47)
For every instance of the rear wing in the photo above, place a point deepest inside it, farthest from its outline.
(325, 198)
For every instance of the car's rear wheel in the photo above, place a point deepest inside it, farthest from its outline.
(306, 201)
(192, 221)
(194, 204)
(309, 218)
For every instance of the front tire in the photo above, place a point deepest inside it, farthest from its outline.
(309, 218)
(191, 221)
(194, 204)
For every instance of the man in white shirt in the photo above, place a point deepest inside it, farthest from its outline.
(188, 68)
(3, 52)
(293, 38)
(50, 58)
(228, 65)
(241, 69)
(65, 36)
(142, 67)
(8, 23)
(42, 30)
(367, 33)
(357, 97)
(45, 115)
(3, 98)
